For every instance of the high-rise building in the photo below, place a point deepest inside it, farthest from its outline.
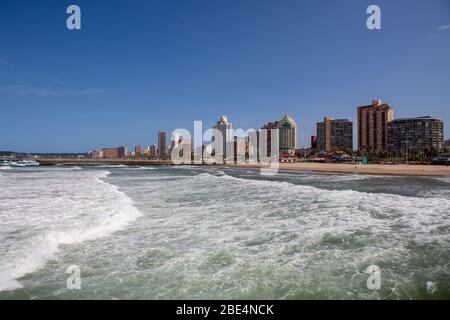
(270, 126)
(313, 142)
(137, 151)
(162, 143)
(288, 133)
(226, 128)
(240, 151)
(153, 151)
(121, 152)
(372, 126)
(415, 134)
(335, 135)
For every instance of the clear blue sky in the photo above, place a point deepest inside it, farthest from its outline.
(139, 66)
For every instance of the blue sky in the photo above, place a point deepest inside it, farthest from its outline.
(140, 66)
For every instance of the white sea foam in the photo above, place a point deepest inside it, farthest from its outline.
(74, 206)
(112, 166)
(23, 163)
(421, 216)
(144, 168)
(17, 164)
(5, 167)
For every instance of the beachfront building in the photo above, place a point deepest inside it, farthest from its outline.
(137, 151)
(146, 152)
(269, 126)
(153, 154)
(109, 153)
(372, 126)
(415, 134)
(314, 142)
(162, 143)
(240, 149)
(288, 133)
(121, 152)
(226, 128)
(334, 135)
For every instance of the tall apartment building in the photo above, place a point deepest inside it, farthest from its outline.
(240, 149)
(121, 152)
(313, 142)
(153, 151)
(415, 134)
(162, 143)
(288, 133)
(270, 126)
(137, 151)
(372, 126)
(335, 135)
(226, 128)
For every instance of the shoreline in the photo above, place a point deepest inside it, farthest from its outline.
(304, 167)
(353, 169)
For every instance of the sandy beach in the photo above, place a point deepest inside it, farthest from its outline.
(374, 169)
(371, 169)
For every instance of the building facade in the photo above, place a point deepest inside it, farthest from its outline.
(137, 151)
(415, 134)
(313, 142)
(335, 135)
(226, 128)
(372, 126)
(270, 126)
(153, 154)
(121, 152)
(109, 153)
(288, 133)
(162, 144)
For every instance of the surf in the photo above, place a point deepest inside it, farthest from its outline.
(94, 218)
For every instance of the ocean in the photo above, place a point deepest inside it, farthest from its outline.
(214, 233)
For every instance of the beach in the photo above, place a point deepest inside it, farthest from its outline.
(371, 169)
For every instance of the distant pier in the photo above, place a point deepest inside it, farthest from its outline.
(101, 162)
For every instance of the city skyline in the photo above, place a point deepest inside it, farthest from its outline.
(168, 137)
(162, 68)
(378, 133)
